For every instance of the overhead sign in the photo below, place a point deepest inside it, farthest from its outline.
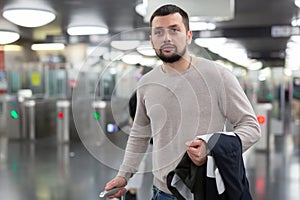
(284, 31)
(212, 10)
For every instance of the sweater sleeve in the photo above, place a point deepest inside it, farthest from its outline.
(238, 110)
(138, 141)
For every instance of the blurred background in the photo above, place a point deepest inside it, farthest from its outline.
(69, 67)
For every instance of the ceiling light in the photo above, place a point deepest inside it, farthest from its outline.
(200, 26)
(297, 3)
(295, 38)
(7, 37)
(12, 47)
(48, 47)
(87, 30)
(132, 59)
(292, 59)
(210, 42)
(141, 8)
(29, 17)
(146, 50)
(296, 22)
(254, 64)
(230, 50)
(9, 32)
(146, 61)
(124, 45)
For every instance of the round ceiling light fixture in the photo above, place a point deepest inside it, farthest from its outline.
(87, 30)
(297, 3)
(125, 45)
(141, 7)
(29, 17)
(201, 26)
(7, 37)
(295, 21)
(9, 32)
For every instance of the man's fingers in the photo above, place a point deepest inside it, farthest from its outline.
(116, 182)
(118, 193)
(193, 150)
(194, 143)
(110, 185)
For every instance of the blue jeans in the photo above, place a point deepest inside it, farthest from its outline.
(160, 195)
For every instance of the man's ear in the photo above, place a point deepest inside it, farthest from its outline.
(189, 37)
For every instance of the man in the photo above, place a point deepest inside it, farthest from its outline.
(179, 100)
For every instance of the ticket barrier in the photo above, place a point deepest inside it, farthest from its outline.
(99, 113)
(263, 111)
(12, 112)
(3, 149)
(107, 123)
(62, 122)
(28, 119)
(102, 112)
(3, 132)
(3, 111)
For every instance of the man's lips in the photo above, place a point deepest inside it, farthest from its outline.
(168, 47)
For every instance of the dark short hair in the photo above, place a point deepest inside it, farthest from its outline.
(170, 9)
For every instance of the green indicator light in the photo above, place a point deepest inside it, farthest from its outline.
(270, 96)
(14, 167)
(96, 115)
(14, 114)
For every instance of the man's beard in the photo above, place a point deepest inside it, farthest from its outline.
(172, 58)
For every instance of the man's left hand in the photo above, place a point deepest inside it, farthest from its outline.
(196, 149)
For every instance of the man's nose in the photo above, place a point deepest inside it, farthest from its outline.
(167, 37)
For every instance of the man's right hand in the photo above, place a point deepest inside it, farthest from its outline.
(117, 182)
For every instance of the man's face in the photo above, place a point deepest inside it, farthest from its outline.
(169, 37)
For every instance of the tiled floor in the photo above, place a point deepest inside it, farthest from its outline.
(45, 170)
(276, 175)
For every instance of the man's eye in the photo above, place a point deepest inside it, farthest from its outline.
(174, 30)
(158, 32)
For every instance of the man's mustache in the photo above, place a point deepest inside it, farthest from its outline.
(168, 45)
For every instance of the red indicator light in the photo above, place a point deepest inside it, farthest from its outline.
(260, 188)
(60, 115)
(261, 119)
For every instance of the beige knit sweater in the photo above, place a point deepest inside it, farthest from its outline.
(175, 108)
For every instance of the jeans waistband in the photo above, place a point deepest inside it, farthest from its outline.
(160, 195)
